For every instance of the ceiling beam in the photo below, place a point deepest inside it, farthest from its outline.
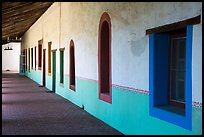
(24, 9)
(18, 17)
(6, 6)
(12, 30)
(13, 34)
(24, 22)
(22, 17)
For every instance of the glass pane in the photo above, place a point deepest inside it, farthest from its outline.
(180, 93)
(177, 69)
(173, 85)
(181, 75)
(174, 55)
(181, 65)
(182, 46)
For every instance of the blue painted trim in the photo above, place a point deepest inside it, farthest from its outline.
(184, 121)
(151, 72)
(161, 69)
(189, 38)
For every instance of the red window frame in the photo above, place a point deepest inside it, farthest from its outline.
(72, 82)
(40, 55)
(174, 34)
(31, 58)
(35, 57)
(49, 58)
(26, 59)
(104, 52)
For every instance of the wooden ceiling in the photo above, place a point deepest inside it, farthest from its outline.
(17, 17)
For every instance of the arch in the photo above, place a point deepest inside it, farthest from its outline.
(71, 66)
(104, 58)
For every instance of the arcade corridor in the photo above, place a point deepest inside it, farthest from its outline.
(37, 111)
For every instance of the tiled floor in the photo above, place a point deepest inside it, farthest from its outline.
(28, 109)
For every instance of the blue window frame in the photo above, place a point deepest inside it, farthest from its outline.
(159, 78)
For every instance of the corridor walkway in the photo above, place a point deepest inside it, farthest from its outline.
(28, 109)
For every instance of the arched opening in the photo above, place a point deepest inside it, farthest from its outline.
(71, 66)
(104, 58)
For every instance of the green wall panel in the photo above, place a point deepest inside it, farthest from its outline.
(35, 75)
(128, 113)
(63, 90)
(197, 120)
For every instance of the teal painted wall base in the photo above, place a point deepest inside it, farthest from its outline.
(128, 113)
(35, 75)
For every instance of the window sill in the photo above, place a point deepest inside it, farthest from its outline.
(172, 109)
(105, 97)
(49, 74)
(62, 85)
(72, 87)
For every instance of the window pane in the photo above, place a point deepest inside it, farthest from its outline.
(173, 85)
(181, 93)
(182, 45)
(177, 69)
(174, 54)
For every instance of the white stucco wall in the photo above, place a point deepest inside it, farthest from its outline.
(46, 28)
(130, 45)
(11, 58)
(197, 63)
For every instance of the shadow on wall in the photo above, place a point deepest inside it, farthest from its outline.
(138, 46)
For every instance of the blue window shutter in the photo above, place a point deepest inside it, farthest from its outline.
(189, 37)
(159, 44)
(158, 79)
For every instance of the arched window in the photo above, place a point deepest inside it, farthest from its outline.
(71, 66)
(49, 58)
(104, 59)
(29, 59)
(40, 42)
(26, 59)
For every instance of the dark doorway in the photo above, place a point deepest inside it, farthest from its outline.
(44, 67)
(72, 66)
(53, 70)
